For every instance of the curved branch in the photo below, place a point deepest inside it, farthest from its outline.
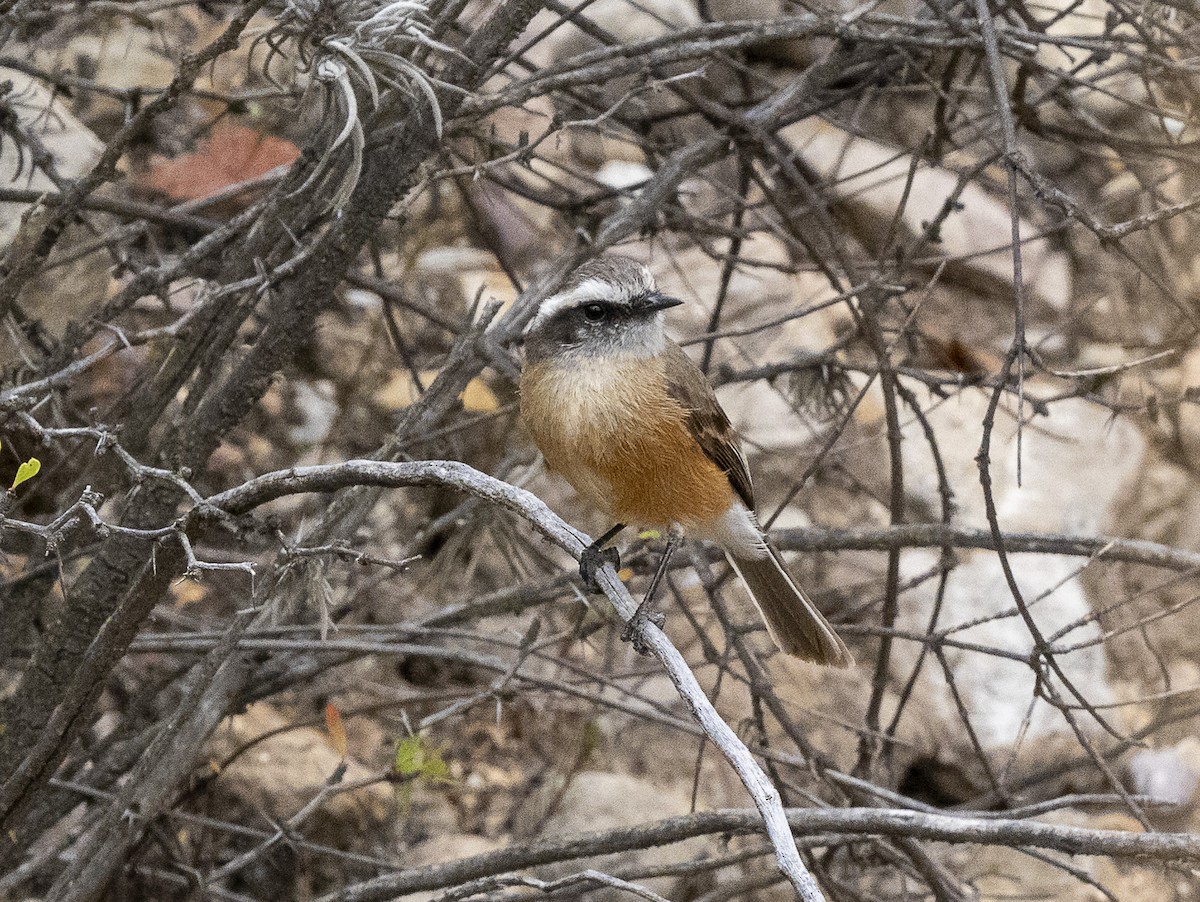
(531, 508)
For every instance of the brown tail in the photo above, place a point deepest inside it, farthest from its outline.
(793, 621)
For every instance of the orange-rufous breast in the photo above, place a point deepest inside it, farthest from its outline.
(612, 430)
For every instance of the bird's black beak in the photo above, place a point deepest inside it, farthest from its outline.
(658, 301)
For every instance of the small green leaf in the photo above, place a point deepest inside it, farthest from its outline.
(415, 757)
(26, 471)
(408, 752)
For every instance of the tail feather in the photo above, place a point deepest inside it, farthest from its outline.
(793, 621)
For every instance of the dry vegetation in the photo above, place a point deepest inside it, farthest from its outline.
(267, 631)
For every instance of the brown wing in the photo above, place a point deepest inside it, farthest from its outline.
(707, 421)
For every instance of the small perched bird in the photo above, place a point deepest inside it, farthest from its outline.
(632, 423)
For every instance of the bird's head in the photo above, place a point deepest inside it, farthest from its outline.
(609, 307)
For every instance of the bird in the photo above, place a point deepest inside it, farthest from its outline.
(633, 424)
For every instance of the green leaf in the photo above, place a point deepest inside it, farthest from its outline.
(26, 471)
(416, 757)
(409, 755)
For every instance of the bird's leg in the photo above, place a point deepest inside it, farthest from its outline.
(645, 611)
(595, 556)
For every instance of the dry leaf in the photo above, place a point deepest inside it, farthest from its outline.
(948, 351)
(335, 728)
(187, 591)
(232, 154)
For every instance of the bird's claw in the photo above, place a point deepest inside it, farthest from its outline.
(592, 561)
(633, 628)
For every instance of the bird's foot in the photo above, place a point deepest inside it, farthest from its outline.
(592, 561)
(633, 627)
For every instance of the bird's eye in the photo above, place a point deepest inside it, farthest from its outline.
(595, 313)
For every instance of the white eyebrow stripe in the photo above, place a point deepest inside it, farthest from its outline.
(585, 292)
